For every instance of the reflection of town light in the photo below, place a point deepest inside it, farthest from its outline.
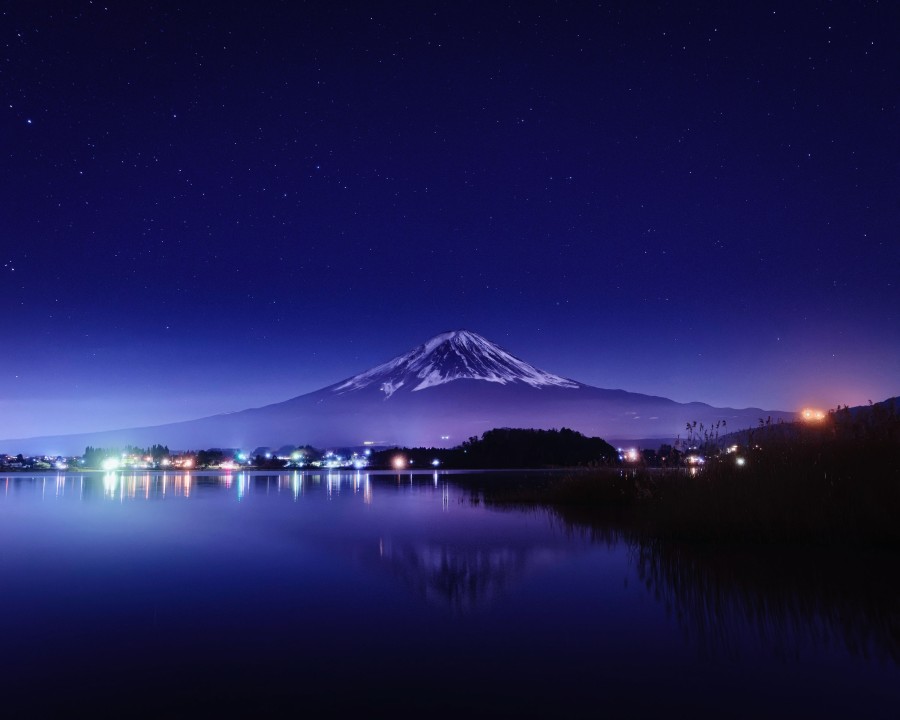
(109, 483)
(399, 462)
(110, 464)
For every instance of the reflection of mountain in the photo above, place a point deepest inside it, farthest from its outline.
(455, 385)
(460, 577)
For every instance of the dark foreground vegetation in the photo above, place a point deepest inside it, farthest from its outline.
(835, 482)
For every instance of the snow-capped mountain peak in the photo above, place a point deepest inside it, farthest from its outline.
(455, 355)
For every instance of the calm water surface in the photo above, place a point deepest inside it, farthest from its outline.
(188, 595)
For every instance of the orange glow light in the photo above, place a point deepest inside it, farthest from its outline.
(812, 415)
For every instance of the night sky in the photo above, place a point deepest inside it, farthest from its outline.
(205, 208)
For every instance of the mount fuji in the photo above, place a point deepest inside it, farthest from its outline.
(456, 385)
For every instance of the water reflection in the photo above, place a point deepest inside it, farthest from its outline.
(463, 578)
(726, 602)
(787, 602)
(122, 486)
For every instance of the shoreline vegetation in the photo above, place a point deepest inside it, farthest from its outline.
(835, 482)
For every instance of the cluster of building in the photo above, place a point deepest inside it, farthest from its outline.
(216, 458)
(35, 462)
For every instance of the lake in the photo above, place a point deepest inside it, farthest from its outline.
(382, 594)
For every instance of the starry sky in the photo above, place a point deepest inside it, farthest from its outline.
(207, 207)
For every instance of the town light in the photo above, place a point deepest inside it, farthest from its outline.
(110, 464)
(435, 462)
(812, 415)
(399, 462)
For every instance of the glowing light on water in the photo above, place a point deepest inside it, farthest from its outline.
(109, 483)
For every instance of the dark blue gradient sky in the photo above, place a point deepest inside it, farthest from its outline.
(207, 208)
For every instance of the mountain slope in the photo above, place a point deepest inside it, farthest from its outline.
(454, 386)
(456, 355)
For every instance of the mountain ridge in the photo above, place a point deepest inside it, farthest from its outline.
(454, 386)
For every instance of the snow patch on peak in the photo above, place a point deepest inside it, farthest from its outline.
(389, 388)
(454, 355)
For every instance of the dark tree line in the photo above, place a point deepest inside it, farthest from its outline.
(94, 456)
(511, 448)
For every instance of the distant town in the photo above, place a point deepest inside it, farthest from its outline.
(159, 457)
(498, 448)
